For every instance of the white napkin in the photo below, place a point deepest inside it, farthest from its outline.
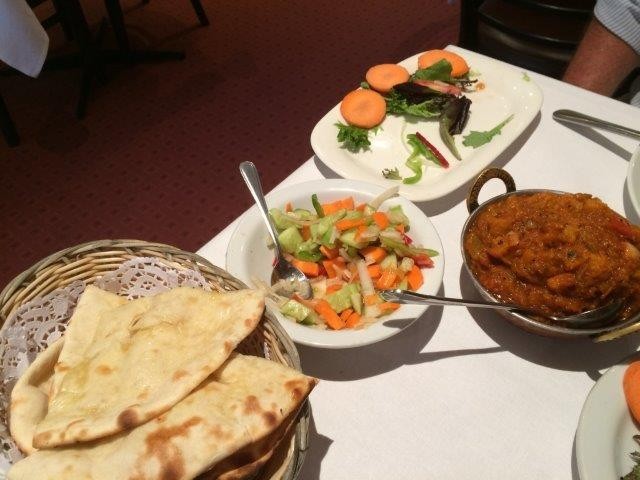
(23, 40)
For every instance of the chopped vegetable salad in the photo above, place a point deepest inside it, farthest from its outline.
(349, 251)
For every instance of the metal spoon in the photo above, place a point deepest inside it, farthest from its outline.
(570, 116)
(598, 316)
(290, 280)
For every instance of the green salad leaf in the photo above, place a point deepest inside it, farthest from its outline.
(353, 138)
(440, 70)
(391, 173)
(477, 139)
(399, 105)
(365, 85)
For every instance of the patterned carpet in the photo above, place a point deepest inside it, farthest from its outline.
(156, 158)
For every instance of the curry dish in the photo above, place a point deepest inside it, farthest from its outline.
(557, 253)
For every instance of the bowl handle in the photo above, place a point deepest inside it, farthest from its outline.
(484, 177)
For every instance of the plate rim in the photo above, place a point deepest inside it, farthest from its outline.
(584, 418)
(355, 186)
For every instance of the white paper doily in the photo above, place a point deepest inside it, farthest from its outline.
(40, 322)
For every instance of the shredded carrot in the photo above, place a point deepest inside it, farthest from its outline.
(372, 299)
(360, 231)
(400, 228)
(330, 253)
(381, 220)
(333, 207)
(306, 232)
(334, 287)
(387, 279)
(329, 315)
(310, 269)
(414, 278)
(388, 306)
(361, 207)
(353, 320)
(330, 268)
(374, 271)
(347, 223)
(344, 315)
(373, 254)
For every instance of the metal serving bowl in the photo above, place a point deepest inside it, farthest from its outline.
(526, 322)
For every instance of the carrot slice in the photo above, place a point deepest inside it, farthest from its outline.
(310, 269)
(348, 223)
(288, 207)
(631, 387)
(414, 278)
(330, 253)
(334, 287)
(373, 254)
(459, 65)
(387, 279)
(381, 219)
(329, 315)
(353, 320)
(374, 271)
(386, 76)
(306, 232)
(363, 108)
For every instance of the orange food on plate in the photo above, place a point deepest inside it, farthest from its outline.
(631, 388)
(363, 108)
(459, 65)
(386, 76)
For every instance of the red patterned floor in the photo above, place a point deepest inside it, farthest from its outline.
(156, 158)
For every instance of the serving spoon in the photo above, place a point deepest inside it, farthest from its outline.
(289, 279)
(598, 316)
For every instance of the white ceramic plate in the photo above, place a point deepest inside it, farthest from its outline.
(249, 257)
(508, 91)
(605, 430)
(633, 180)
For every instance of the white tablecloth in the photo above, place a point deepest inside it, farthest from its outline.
(460, 393)
(23, 41)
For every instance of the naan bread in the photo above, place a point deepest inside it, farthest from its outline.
(246, 400)
(31, 393)
(142, 358)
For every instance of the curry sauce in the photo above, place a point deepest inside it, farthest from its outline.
(558, 253)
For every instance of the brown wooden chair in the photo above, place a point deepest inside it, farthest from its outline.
(199, 9)
(539, 35)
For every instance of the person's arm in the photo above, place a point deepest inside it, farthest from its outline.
(602, 61)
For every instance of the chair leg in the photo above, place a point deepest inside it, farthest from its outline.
(202, 16)
(7, 126)
(64, 22)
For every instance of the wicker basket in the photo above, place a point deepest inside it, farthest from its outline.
(89, 261)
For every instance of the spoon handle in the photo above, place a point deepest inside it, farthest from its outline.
(570, 116)
(405, 296)
(251, 177)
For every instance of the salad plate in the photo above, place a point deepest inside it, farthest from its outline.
(505, 92)
(250, 259)
(604, 438)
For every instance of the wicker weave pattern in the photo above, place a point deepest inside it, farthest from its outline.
(89, 261)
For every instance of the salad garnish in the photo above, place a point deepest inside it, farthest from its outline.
(349, 252)
(477, 139)
(354, 138)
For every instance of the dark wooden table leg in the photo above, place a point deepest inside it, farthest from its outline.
(7, 126)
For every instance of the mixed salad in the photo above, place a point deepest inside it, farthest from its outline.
(349, 251)
(434, 91)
